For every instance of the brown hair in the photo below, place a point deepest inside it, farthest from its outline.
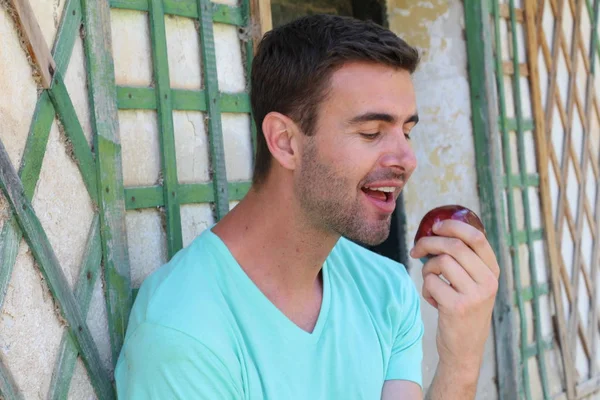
(294, 63)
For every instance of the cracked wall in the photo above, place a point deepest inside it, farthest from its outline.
(443, 140)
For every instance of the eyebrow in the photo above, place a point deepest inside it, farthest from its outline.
(372, 116)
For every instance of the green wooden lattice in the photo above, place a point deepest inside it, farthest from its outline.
(106, 249)
(491, 105)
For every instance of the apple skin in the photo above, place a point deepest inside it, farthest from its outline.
(455, 212)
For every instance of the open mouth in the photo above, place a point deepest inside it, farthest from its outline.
(381, 194)
(382, 198)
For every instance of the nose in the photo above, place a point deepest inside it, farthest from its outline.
(399, 155)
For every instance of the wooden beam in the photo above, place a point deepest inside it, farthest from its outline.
(505, 12)
(542, 144)
(107, 145)
(484, 104)
(262, 20)
(48, 264)
(34, 40)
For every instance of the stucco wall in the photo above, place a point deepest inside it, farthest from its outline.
(30, 328)
(443, 140)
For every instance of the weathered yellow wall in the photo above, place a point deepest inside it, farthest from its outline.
(443, 140)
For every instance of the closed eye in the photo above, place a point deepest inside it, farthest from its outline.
(370, 136)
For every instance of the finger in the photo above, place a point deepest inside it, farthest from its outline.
(466, 257)
(439, 291)
(473, 238)
(452, 271)
(427, 296)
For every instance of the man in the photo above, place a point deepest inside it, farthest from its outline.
(276, 301)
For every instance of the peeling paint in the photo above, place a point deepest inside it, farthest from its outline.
(419, 16)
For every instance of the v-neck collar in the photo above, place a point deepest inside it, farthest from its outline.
(268, 306)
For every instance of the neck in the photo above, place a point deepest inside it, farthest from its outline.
(271, 239)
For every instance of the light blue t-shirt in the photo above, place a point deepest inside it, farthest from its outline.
(201, 329)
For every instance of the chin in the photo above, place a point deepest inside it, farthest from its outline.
(370, 236)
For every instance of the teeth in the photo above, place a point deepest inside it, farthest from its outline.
(390, 189)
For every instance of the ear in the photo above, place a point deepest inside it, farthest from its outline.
(281, 135)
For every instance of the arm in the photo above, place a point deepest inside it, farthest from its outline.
(158, 362)
(401, 390)
(466, 260)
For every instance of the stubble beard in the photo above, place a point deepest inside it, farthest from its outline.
(330, 201)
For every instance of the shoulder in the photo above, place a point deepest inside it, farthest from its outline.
(186, 295)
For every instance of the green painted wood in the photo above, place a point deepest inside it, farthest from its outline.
(182, 8)
(135, 98)
(533, 350)
(528, 292)
(66, 34)
(514, 181)
(199, 193)
(234, 102)
(88, 275)
(485, 107)
(53, 274)
(238, 190)
(189, 100)
(135, 5)
(527, 124)
(521, 237)
(8, 387)
(225, 14)
(35, 147)
(222, 13)
(74, 134)
(33, 155)
(215, 134)
(525, 388)
(109, 169)
(182, 100)
(144, 197)
(152, 196)
(166, 132)
(541, 359)
(31, 165)
(10, 237)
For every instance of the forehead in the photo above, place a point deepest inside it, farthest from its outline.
(359, 86)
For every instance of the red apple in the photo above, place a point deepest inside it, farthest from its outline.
(455, 212)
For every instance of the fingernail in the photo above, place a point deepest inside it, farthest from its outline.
(412, 252)
(437, 225)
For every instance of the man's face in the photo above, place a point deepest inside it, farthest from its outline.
(354, 166)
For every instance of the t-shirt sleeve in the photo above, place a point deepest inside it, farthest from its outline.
(407, 350)
(158, 362)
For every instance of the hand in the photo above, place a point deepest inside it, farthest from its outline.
(464, 297)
